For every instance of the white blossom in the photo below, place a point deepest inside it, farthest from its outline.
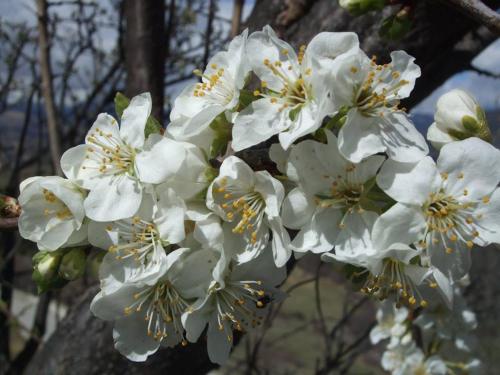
(52, 212)
(295, 95)
(147, 316)
(330, 207)
(446, 207)
(217, 93)
(371, 94)
(237, 299)
(115, 161)
(250, 201)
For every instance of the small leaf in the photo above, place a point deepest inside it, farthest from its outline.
(121, 102)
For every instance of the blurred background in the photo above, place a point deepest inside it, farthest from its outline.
(62, 62)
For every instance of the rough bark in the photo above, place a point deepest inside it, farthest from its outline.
(47, 85)
(443, 41)
(145, 50)
(83, 345)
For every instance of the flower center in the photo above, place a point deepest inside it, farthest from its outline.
(110, 155)
(217, 88)
(55, 206)
(245, 208)
(295, 90)
(379, 90)
(236, 305)
(137, 238)
(163, 306)
(449, 221)
(343, 194)
(393, 281)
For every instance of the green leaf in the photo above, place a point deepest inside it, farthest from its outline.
(121, 102)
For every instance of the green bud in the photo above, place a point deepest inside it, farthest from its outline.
(358, 7)
(45, 270)
(395, 27)
(73, 264)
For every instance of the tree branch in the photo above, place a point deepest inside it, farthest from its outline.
(479, 12)
(47, 85)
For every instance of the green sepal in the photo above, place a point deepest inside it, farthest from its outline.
(357, 275)
(471, 124)
(222, 130)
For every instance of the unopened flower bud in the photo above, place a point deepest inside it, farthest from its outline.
(73, 264)
(358, 7)
(45, 267)
(458, 116)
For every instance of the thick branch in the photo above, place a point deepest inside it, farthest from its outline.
(8, 223)
(47, 85)
(478, 11)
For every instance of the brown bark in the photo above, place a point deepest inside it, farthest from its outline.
(236, 19)
(144, 47)
(47, 85)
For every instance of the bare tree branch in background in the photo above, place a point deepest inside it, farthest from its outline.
(47, 85)
(236, 19)
(479, 12)
(209, 30)
(145, 50)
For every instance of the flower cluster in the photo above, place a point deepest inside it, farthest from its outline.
(196, 237)
(442, 332)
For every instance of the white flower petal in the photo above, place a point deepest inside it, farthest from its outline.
(132, 340)
(437, 137)
(113, 199)
(257, 123)
(400, 224)
(161, 159)
(359, 137)
(471, 165)
(134, 120)
(409, 182)
(402, 140)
